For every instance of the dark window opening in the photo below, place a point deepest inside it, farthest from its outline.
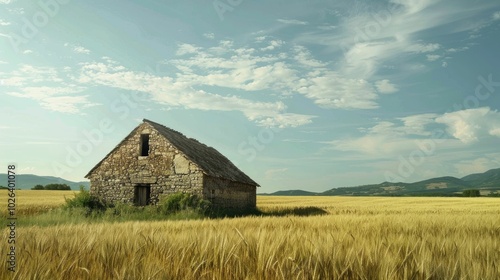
(144, 145)
(142, 195)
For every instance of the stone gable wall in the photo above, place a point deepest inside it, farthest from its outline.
(165, 169)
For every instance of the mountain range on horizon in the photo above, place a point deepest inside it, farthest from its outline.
(28, 181)
(487, 182)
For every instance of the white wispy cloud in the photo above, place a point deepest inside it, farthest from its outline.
(327, 27)
(454, 50)
(181, 92)
(286, 119)
(246, 68)
(5, 1)
(4, 23)
(80, 49)
(242, 70)
(385, 86)
(374, 146)
(42, 91)
(77, 48)
(303, 56)
(424, 48)
(273, 45)
(260, 38)
(27, 74)
(471, 125)
(59, 99)
(405, 126)
(413, 7)
(186, 49)
(270, 173)
(292, 21)
(370, 40)
(403, 135)
(433, 57)
(67, 104)
(328, 89)
(496, 16)
(417, 124)
(13, 81)
(477, 165)
(44, 85)
(209, 35)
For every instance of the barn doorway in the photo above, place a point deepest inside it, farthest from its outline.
(142, 195)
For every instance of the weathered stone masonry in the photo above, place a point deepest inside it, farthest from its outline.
(229, 194)
(166, 169)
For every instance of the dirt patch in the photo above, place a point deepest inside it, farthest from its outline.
(392, 188)
(433, 186)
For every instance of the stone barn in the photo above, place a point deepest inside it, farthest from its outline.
(154, 160)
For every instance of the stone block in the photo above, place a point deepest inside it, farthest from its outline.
(181, 164)
(143, 180)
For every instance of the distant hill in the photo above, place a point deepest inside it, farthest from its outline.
(28, 181)
(443, 186)
(292, 193)
(486, 182)
(490, 178)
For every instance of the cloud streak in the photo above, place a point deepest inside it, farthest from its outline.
(371, 40)
(471, 125)
(388, 139)
(46, 86)
(292, 21)
(292, 70)
(179, 92)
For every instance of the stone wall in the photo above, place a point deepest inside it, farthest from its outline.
(228, 194)
(165, 169)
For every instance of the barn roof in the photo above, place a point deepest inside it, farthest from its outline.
(210, 161)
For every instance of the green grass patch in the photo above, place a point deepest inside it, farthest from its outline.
(85, 208)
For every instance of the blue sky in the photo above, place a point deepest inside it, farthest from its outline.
(299, 94)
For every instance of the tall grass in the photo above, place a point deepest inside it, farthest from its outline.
(358, 238)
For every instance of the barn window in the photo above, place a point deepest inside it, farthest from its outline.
(142, 195)
(144, 145)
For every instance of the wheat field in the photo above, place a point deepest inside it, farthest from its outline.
(33, 202)
(355, 238)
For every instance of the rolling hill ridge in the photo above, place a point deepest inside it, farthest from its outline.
(28, 181)
(487, 182)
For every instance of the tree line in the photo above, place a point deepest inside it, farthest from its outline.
(59, 187)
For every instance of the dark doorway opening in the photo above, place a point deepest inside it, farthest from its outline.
(144, 145)
(142, 195)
